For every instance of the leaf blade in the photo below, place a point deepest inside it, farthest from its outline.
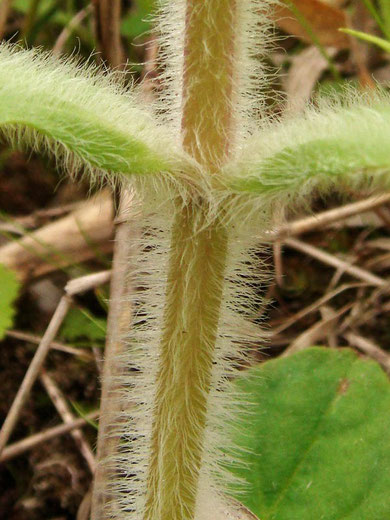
(334, 147)
(369, 38)
(317, 445)
(83, 112)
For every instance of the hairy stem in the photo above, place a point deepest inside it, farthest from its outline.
(192, 307)
(196, 272)
(208, 80)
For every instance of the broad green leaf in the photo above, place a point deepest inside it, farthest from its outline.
(341, 147)
(9, 288)
(380, 42)
(315, 442)
(82, 324)
(83, 116)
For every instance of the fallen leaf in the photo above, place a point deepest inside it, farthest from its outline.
(305, 18)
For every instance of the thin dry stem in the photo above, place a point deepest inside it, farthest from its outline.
(278, 262)
(370, 349)
(315, 333)
(18, 448)
(313, 307)
(55, 345)
(33, 370)
(87, 282)
(68, 29)
(67, 416)
(66, 241)
(332, 260)
(325, 218)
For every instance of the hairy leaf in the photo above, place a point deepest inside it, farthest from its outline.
(9, 287)
(81, 114)
(333, 147)
(315, 442)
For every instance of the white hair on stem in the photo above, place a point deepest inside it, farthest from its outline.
(253, 37)
(237, 336)
(193, 325)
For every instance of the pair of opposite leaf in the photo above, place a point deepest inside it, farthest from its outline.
(89, 121)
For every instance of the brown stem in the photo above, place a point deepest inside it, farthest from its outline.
(107, 19)
(119, 319)
(196, 272)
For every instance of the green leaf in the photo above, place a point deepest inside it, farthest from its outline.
(380, 42)
(323, 161)
(138, 21)
(374, 13)
(315, 443)
(82, 324)
(85, 117)
(9, 288)
(84, 414)
(342, 147)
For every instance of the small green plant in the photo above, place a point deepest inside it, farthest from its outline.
(210, 167)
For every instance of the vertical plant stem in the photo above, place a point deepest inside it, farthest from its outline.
(196, 272)
(119, 319)
(195, 282)
(108, 17)
(107, 20)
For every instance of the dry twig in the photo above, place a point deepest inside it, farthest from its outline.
(68, 29)
(67, 416)
(67, 241)
(55, 345)
(86, 282)
(370, 349)
(315, 333)
(33, 370)
(313, 307)
(20, 447)
(332, 260)
(320, 220)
